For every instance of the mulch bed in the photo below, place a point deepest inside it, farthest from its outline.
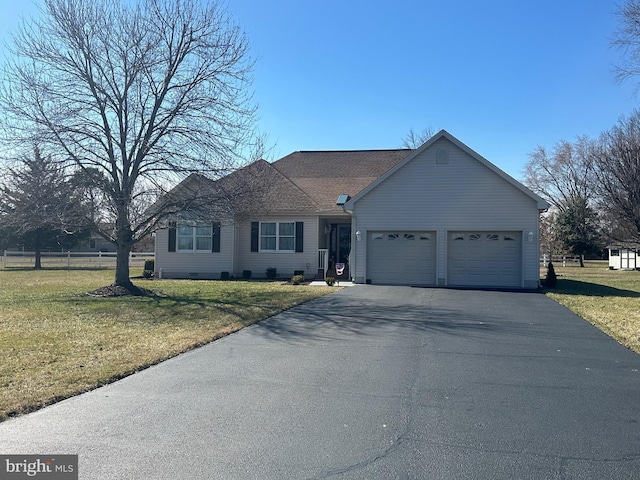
(120, 291)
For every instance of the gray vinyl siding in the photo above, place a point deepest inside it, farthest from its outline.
(285, 263)
(207, 265)
(462, 194)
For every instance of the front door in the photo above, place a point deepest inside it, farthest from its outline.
(340, 246)
(344, 244)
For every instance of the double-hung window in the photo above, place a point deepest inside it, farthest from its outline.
(277, 236)
(194, 238)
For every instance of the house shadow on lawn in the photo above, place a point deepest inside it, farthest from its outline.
(576, 287)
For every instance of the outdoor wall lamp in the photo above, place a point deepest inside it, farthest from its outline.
(358, 235)
(530, 237)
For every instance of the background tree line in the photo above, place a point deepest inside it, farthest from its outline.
(593, 186)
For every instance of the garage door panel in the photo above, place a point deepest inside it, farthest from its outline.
(402, 258)
(491, 259)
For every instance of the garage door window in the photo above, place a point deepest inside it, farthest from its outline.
(409, 236)
(509, 238)
(377, 236)
(458, 236)
(474, 236)
(393, 236)
(493, 237)
(425, 236)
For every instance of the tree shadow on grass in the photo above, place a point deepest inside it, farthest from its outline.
(332, 317)
(576, 287)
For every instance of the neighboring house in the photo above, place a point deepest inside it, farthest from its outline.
(438, 215)
(624, 257)
(95, 243)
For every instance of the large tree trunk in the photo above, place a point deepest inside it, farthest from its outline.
(124, 243)
(122, 266)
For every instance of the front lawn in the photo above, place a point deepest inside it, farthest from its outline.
(56, 341)
(609, 299)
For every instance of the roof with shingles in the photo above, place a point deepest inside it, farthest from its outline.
(324, 175)
(301, 182)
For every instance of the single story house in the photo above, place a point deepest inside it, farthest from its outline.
(624, 257)
(439, 215)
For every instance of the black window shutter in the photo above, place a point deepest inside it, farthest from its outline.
(255, 236)
(172, 239)
(215, 243)
(299, 236)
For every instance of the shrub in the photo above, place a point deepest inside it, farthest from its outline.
(272, 273)
(297, 279)
(246, 274)
(330, 281)
(224, 275)
(149, 267)
(551, 280)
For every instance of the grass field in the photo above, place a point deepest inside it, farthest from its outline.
(57, 341)
(609, 299)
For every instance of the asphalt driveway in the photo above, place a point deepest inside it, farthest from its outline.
(369, 382)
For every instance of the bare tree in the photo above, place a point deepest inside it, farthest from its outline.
(562, 175)
(627, 39)
(138, 95)
(414, 139)
(617, 160)
(565, 177)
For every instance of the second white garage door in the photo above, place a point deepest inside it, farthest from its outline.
(484, 259)
(401, 258)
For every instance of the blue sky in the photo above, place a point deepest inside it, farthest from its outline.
(502, 76)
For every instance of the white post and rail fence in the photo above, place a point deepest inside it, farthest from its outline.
(564, 260)
(71, 259)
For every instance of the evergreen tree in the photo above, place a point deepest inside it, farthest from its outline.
(578, 230)
(37, 207)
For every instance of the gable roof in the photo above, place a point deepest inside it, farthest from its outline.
(541, 203)
(324, 175)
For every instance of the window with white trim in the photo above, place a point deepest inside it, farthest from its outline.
(194, 238)
(277, 236)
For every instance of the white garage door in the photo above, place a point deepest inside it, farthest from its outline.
(486, 259)
(401, 258)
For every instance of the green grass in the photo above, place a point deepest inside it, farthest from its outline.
(56, 341)
(609, 299)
